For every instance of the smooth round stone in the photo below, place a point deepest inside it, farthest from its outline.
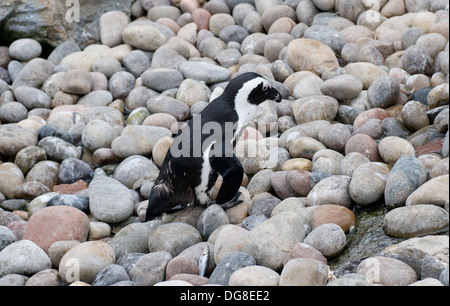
(229, 240)
(11, 177)
(305, 147)
(314, 108)
(110, 275)
(336, 214)
(58, 149)
(109, 200)
(120, 84)
(107, 65)
(32, 97)
(416, 60)
(143, 36)
(28, 157)
(25, 49)
(23, 257)
(327, 161)
(392, 148)
(138, 140)
(302, 250)
(373, 128)
(46, 172)
(387, 271)
(72, 170)
(365, 145)
(76, 201)
(210, 219)
(31, 190)
(304, 272)
(342, 87)
(162, 79)
(438, 96)
(310, 55)
(351, 162)
(335, 137)
(33, 74)
(330, 36)
(191, 91)
(367, 73)
(328, 239)
(15, 138)
(375, 113)
(67, 223)
(84, 261)
(77, 82)
(211, 47)
(233, 33)
(172, 106)
(254, 276)
(206, 72)
(300, 164)
(98, 134)
(285, 228)
(13, 112)
(368, 183)
(435, 191)
(331, 190)
(218, 22)
(136, 62)
(384, 92)
(416, 221)
(406, 176)
(230, 264)
(111, 26)
(434, 43)
(173, 238)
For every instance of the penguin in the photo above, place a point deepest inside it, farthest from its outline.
(204, 148)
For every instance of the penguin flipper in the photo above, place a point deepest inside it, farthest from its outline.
(232, 173)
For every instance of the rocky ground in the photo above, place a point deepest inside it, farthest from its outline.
(354, 178)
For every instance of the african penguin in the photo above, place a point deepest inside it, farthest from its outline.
(204, 149)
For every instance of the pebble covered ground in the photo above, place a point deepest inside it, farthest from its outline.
(354, 180)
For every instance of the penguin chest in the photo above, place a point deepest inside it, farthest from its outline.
(246, 114)
(201, 191)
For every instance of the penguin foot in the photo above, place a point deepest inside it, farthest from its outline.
(233, 202)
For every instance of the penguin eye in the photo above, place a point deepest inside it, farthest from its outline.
(265, 87)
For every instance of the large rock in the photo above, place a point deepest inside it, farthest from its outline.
(15, 138)
(53, 22)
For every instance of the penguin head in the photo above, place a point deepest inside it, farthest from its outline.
(253, 88)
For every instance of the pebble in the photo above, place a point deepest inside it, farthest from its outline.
(415, 221)
(304, 272)
(143, 36)
(254, 276)
(162, 79)
(173, 238)
(288, 230)
(405, 177)
(310, 55)
(387, 271)
(85, 260)
(393, 148)
(206, 72)
(331, 190)
(329, 239)
(368, 183)
(25, 49)
(342, 87)
(23, 257)
(229, 265)
(434, 191)
(109, 200)
(228, 240)
(56, 219)
(314, 108)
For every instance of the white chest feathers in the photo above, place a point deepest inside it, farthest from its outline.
(246, 111)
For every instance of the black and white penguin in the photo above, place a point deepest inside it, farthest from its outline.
(204, 149)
